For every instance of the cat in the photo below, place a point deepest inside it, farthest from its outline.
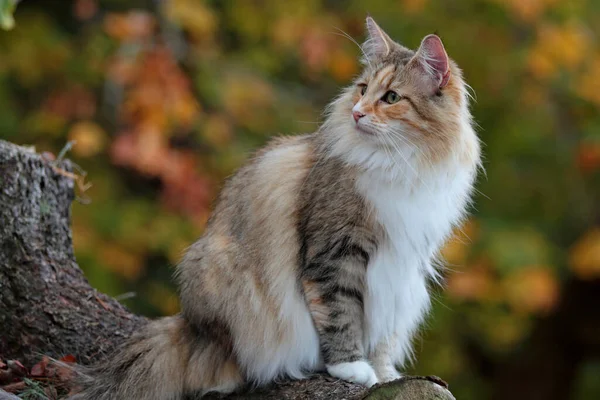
(320, 250)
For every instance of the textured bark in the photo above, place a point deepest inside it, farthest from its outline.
(48, 307)
(46, 304)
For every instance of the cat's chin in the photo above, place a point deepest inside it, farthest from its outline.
(364, 130)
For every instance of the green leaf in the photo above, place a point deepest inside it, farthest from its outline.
(7, 8)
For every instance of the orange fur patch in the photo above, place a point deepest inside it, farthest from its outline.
(318, 311)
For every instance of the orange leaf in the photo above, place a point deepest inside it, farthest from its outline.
(533, 289)
(69, 358)
(39, 369)
(584, 258)
(89, 138)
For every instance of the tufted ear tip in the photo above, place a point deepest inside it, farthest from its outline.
(378, 44)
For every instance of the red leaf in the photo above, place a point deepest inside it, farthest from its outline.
(39, 369)
(69, 358)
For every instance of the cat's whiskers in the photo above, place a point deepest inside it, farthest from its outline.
(389, 141)
(404, 138)
(406, 161)
(389, 156)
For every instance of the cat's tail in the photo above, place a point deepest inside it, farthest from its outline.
(167, 361)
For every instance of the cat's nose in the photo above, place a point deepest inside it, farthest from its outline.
(357, 115)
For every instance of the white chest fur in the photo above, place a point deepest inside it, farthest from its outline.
(417, 215)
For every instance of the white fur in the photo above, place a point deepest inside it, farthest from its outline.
(417, 210)
(386, 372)
(355, 371)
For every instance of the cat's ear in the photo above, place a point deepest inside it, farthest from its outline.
(432, 63)
(378, 44)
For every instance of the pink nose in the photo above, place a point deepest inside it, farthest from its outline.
(357, 115)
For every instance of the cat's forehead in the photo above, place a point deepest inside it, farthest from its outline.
(399, 57)
(396, 61)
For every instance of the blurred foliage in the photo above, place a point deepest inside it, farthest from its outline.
(164, 99)
(7, 8)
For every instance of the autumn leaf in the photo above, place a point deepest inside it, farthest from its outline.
(588, 83)
(556, 47)
(343, 66)
(121, 260)
(588, 156)
(69, 358)
(88, 137)
(584, 257)
(532, 289)
(135, 25)
(476, 282)
(39, 369)
(194, 16)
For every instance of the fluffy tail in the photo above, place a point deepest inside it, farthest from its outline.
(167, 361)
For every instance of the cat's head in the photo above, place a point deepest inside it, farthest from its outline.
(411, 104)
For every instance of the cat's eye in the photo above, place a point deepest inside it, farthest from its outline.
(363, 90)
(391, 97)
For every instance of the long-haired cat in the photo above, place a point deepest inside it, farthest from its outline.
(320, 249)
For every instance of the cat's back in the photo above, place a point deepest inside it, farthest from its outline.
(253, 226)
(263, 194)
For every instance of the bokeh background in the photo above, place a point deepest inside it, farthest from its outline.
(165, 99)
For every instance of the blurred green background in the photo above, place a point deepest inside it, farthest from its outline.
(167, 98)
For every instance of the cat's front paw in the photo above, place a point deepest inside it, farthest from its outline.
(355, 371)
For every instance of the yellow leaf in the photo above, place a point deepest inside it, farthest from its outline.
(343, 66)
(588, 85)
(532, 290)
(474, 283)
(565, 46)
(122, 261)
(192, 15)
(584, 258)
(541, 65)
(89, 138)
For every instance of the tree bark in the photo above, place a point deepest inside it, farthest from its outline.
(48, 307)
